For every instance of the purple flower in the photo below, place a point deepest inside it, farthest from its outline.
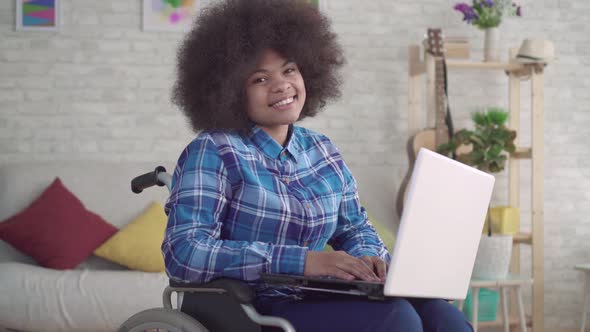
(468, 13)
(483, 3)
(488, 3)
(462, 7)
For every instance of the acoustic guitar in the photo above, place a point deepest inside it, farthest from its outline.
(443, 128)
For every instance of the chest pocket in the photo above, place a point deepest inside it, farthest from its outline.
(261, 211)
(323, 191)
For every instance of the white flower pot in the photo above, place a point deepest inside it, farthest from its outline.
(491, 49)
(493, 257)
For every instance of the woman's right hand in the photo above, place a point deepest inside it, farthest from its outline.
(337, 264)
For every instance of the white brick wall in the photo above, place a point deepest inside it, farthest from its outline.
(100, 89)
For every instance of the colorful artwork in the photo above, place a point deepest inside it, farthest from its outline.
(37, 14)
(168, 15)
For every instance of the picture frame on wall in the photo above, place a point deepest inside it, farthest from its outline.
(38, 15)
(169, 15)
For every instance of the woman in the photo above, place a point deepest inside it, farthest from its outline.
(253, 193)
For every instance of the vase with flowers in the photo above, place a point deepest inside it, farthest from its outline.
(487, 16)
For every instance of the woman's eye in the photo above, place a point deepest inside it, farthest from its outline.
(290, 70)
(259, 80)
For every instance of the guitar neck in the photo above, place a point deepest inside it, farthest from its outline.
(441, 128)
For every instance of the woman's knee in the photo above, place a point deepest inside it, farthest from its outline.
(400, 315)
(441, 316)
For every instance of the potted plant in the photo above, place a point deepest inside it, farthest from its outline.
(487, 148)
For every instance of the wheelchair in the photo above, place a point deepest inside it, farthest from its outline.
(221, 305)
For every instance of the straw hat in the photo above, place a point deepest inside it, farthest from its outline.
(536, 51)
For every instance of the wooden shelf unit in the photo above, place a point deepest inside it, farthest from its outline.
(421, 63)
(514, 323)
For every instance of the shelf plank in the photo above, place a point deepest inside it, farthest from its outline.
(510, 280)
(499, 322)
(522, 153)
(523, 238)
(467, 64)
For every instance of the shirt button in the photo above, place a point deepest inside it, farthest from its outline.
(308, 206)
(287, 180)
(305, 243)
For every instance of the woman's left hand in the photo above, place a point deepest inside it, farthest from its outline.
(377, 265)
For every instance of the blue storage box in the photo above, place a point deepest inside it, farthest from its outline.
(487, 305)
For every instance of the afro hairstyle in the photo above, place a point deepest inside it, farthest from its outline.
(220, 51)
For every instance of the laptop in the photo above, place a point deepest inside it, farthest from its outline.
(437, 240)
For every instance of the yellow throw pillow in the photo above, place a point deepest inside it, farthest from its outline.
(137, 245)
(384, 233)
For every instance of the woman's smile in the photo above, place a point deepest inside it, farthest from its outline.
(284, 103)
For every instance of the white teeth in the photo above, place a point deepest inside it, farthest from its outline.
(284, 102)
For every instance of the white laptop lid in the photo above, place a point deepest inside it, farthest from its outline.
(439, 232)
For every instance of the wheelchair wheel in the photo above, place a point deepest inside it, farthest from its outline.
(161, 320)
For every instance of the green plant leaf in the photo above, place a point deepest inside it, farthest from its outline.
(497, 116)
(510, 147)
(479, 119)
(490, 141)
(495, 151)
(477, 140)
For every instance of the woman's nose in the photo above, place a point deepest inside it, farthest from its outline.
(281, 86)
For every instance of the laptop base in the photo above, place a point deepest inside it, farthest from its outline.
(372, 290)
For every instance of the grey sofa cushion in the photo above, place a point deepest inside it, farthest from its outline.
(103, 187)
(34, 298)
(9, 253)
(97, 263)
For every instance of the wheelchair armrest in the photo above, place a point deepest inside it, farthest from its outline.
(236, 288)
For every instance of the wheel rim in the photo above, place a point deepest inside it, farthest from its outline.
(155, 327)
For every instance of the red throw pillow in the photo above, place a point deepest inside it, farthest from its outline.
(56, 229)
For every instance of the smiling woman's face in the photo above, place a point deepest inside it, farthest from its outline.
(275, 92)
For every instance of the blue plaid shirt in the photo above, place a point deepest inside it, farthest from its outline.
(242, 205)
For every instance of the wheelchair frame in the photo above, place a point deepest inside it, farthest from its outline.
(237, 291)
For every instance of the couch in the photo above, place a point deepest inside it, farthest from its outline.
(98, 295)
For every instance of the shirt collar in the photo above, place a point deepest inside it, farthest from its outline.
(272, 148)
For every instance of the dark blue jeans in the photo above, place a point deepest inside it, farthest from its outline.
(344, 313)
